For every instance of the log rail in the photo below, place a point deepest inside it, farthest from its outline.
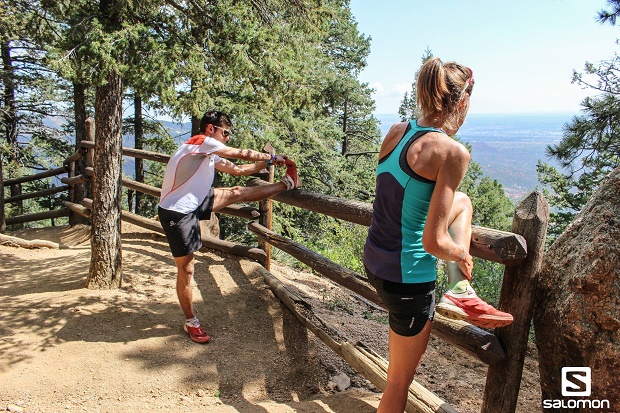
(503, 351)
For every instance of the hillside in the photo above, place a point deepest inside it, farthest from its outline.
(67, 348)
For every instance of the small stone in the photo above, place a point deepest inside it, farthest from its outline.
(14, 408)
(340, 382)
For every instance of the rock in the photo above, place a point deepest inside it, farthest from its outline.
(211, 227)
(339, 382)
(14, 408)
(577, 313)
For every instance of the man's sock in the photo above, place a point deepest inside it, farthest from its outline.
(193, 322)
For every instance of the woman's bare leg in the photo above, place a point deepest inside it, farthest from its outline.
(459, 228)
(405, 356)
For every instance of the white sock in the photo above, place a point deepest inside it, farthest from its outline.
(288, 181)
(193, 322)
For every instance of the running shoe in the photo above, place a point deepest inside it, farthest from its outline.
(291, 179)
(196, 334)
(467, 306)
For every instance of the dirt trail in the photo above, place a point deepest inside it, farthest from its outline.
(70, 349)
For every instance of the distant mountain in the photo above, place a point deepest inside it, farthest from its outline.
(507, 146)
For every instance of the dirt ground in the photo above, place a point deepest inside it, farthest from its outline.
(65, 348)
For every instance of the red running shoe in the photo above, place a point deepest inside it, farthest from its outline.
(467, 306)
(196, 334)
(291, 179)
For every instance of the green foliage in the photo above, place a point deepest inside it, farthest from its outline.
(587, 153)
(286, 71)
(408, 108)
(590, 147)
(341, 242)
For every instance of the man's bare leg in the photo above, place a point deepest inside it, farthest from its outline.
(224, 197)
(185, 274)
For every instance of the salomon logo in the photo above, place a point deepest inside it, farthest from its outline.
(576, 381)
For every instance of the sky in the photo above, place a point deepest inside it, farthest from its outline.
(522, 52)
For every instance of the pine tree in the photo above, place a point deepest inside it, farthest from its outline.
(29, 91)
(408, 108)
(590, 147)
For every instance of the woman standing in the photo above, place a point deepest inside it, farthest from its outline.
(420, 217)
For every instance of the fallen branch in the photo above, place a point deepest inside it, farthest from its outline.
(10, 241)
(361, 358)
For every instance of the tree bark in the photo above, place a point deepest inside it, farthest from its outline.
(79, 192)
(195, 125)
(2, 222)
(9, 111)
(139, 144)
(106, 261)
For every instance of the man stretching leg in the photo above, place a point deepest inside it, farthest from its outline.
(187, 196)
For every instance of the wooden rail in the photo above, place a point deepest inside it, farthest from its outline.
(371, 365)
(474, 341)
(34, 177)
(39, 216)
(135, 153)
(37, 194)
(508, 248)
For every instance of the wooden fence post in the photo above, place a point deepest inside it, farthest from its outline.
(265, 207)
(90, 137)
(2, 222)
(517, 297)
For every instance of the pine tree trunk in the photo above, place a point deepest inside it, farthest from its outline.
(139, 144)
(9, 118)
(106, 260)
(195, 125)
(2, 222)
(79, 109)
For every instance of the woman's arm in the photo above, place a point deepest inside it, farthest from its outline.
(452, 160)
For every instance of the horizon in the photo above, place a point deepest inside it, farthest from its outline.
(522, 54)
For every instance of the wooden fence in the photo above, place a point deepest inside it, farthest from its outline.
(520, 251)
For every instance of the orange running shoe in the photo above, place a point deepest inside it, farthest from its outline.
(467, 306)
(291, 179)
(196, 334)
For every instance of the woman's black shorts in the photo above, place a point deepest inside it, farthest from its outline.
(183, 230)
(410, 305)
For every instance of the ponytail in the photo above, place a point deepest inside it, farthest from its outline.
(432, 86)
(440, 88)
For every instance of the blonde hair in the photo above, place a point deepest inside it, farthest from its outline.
(441, 87)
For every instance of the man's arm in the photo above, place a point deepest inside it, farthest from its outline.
(226, 166)
(261, 161)
(243, 154)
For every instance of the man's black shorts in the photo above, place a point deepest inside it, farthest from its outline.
(183, 230)
(410, 305)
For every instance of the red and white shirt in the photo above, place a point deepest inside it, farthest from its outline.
(189, 174)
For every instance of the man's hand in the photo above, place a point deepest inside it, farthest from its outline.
(280, 160)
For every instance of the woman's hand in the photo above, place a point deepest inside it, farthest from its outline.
(466, 265)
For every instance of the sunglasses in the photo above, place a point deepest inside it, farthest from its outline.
(470, 82)
(225, 132)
